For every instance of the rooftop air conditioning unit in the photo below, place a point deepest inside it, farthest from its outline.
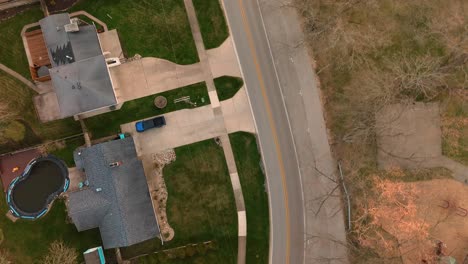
(73, 26)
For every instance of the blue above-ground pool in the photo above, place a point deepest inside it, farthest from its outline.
(43, 179)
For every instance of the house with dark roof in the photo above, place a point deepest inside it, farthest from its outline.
(78, 68)
(116, 197)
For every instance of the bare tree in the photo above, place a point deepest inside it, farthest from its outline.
(403, 80)
(59, 253)
(4, 258)
(390, 223)
(418, 76)
(335, 34)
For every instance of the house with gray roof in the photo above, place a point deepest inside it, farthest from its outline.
(116, 197)
(79, 71)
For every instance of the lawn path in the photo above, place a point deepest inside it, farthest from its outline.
(19, 77)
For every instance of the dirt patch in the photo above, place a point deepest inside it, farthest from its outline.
(449, 225)
(429, 221)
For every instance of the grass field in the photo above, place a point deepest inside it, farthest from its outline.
(27, 242)
(26, 129)
(253, 185)
(455, 128)
(227, 86)
(200, 207)
(109, 123)
(212, 22)
(151, 28)
(12, 52)
(65, 152)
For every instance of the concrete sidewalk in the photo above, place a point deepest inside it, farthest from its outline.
(237, 114)
(223, 60)
(207, 68)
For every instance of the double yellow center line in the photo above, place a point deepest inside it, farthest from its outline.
(271, 123)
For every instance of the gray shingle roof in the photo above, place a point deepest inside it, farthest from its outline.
(117, 199)
(56, 39)
(83, 86)
(67, 47)
(79, 74)
(85, 43)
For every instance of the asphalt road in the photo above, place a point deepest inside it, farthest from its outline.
(275, 136)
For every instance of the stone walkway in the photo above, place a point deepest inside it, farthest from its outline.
(218, 112)
(153, 166)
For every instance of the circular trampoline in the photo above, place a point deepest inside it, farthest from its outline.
(43, 179)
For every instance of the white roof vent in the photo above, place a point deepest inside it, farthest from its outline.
(74, 20)
(72, 27)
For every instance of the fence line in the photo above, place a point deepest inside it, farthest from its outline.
(170, 249)
(347, 196)
(42, 144)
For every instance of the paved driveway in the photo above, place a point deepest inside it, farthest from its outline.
(147, 76)
(192, 125)
(183, 127)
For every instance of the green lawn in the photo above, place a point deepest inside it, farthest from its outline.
(454, 113)
(212, 22)
(253, 185)
(91, 22)
(200, 207)
(109, 123)
(27, 130)
(227, 86)
(12, 52)
(66, 153)
(151, 28)
(28, 241)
